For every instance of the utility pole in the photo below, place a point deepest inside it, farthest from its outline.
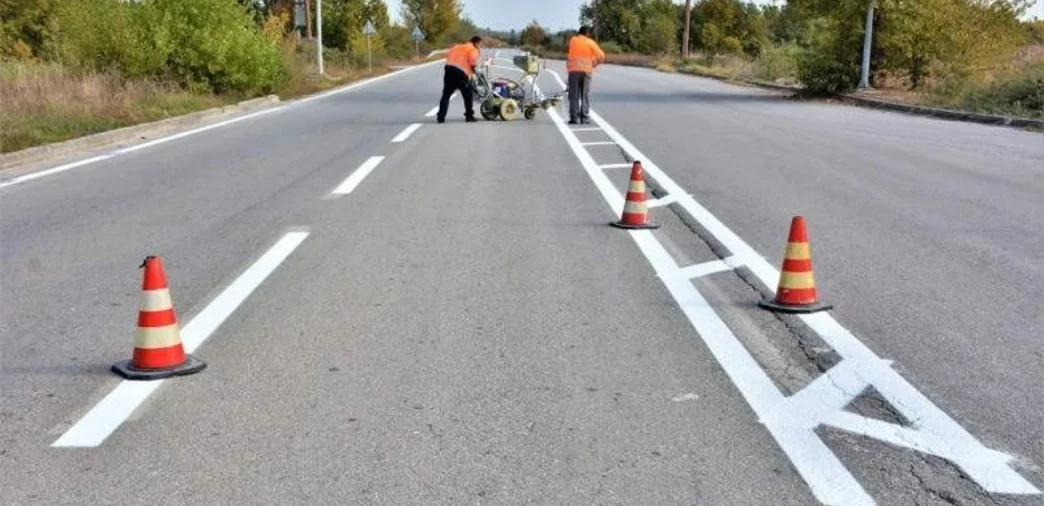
(868, 40)
(685, 30)
(319, 34)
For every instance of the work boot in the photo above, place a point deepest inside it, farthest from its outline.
(470, 120)
(572, 121)
(585, 121)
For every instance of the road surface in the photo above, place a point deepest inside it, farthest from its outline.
(398, 312)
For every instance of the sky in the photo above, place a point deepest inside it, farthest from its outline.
(554, 14)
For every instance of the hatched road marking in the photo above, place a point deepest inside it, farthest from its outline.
(793, 420)
(106, 416)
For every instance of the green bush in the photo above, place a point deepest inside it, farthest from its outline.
(611, 47)
(824, 76)
(1019, 95)
(206, 45)
(779, 62)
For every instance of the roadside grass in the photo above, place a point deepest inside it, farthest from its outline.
(42, 103)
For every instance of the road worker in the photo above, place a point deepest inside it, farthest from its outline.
(584, 56)
(461, 61)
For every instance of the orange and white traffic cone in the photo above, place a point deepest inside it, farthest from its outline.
(158, 352)
(635, 211)
(797, 286)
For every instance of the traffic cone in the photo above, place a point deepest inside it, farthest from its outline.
(797, 286)
(635, 211)
(158, 352)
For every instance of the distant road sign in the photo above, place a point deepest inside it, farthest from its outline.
(418, 34)
(368, 29)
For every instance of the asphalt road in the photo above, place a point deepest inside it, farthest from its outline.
(462, 326)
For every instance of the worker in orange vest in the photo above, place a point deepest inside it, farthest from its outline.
(584, 56)
(461, 61)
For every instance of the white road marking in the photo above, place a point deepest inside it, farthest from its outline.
(687, 397)
(615, 166)
(705, 269)
(163, 140)
(599, 143)
(54, 170)
(792, 421)
(353, 181)
(593, 129)
(407, 133)
(435, 110)
(662, 201)
(105, 417)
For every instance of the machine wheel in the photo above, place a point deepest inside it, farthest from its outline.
(509, 109)
(489, 110)
(530, 113)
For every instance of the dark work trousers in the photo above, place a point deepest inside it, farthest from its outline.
(579, 91)
(456, 80)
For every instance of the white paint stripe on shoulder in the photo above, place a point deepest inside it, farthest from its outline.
(163, 140)
(406, 133)
(352, 182)
(54, 170)
(105, 417)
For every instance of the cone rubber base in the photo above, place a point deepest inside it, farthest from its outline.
(772, 305)
(647, 226)
(192, 365)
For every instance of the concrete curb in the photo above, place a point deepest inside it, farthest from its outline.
(133, 133)
(988, 119)
(871, 103)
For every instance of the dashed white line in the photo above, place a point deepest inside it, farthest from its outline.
(163, 140)
(105, 417)
(353, 181)
(435, 110)
(406, 133)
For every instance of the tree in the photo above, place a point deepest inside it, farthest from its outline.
(614, 20)
(24, 27)
(438, 19)
(686, 25)
(659, 33)
(954, 35)
(534, 35)
(377, 12)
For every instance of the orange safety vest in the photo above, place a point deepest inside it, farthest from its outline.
(584, 55)
(463, 56)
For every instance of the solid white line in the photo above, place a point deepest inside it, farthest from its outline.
(615, 166)
(407, 133)
(591, 129)
(600, 143)
(705, 269)
(54, 170)
(353, 181)
(162, 140)
(105, 417)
